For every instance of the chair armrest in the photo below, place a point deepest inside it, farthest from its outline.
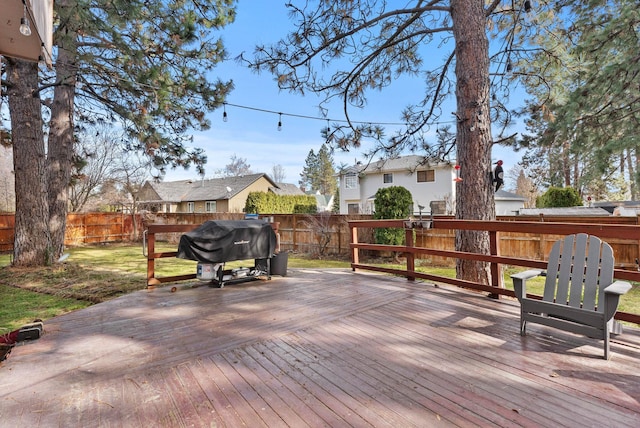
(618, 287)
(527, 274)
(520, 280)
(612, 295)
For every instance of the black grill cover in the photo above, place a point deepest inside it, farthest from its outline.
(227, 240)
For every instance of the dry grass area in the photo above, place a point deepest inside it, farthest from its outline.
(72, 280)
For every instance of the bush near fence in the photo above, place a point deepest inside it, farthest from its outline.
(296, 236)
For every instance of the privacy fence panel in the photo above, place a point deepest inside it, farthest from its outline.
(321, 234)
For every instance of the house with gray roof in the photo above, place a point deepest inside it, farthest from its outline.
(508, 203)
(283, 189)
(227, 194)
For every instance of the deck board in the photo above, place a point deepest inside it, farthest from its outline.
(315, 348)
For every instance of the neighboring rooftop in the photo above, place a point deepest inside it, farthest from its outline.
(402, 163)
(567, 211)
(504, 195)
(197, 190)
(286, 189)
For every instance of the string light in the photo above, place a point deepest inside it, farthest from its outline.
(25, 28)
(280, 122)
(357, 122)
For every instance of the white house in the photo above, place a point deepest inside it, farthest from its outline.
(428, 182)
(432, 186)
(508, 203)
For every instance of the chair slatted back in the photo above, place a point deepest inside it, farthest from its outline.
(580, 267)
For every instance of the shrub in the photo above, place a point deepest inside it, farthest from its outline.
(559, 197)
(390, 203)
(270, 203)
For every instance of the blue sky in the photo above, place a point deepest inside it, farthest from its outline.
(253, 135)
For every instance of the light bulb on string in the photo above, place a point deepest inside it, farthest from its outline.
(280, 122)
(25, 28)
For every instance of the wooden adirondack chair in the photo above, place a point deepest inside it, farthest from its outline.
(580, 295)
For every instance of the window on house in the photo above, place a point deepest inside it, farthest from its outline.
(210, 206)
(353, 208)
(350, 180)
(428, 175)
(387, 178)
(191, 207)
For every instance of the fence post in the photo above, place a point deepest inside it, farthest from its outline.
(637, 258)
(496, 275)
(355, 257)
(294, 232)
(411, 260)
(151, 249)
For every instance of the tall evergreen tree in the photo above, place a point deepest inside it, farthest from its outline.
(381, 43)
(308, 175)
(32, 241)
(318, 173)
(139, 63)
(585, 107)
(326, 182)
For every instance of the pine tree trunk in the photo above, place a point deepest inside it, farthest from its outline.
(474, 195)
(32, 242)
(632, 163)
(566, 164)
(60, 142)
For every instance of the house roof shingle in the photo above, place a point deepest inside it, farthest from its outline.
(403, 163)
(566, 211)
(286, 189)
(200, 190)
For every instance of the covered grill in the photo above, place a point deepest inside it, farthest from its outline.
(217, 242)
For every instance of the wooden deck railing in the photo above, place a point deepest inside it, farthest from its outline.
(495, 259)
(149, 250)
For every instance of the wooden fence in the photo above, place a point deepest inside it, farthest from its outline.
(298, 232)
(82, 228)
(302, 233)
(530, 244)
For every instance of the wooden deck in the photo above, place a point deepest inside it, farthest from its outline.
(332, 348)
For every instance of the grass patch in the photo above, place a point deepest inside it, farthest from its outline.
(19, 307)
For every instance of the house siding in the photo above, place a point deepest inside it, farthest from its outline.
(404, 172)
(422, 193)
